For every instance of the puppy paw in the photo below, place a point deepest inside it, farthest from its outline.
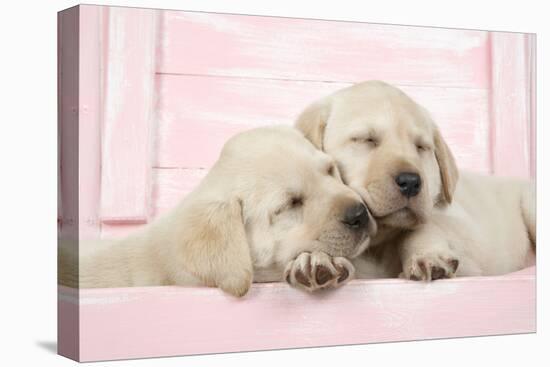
(429, 267)
(317, 270)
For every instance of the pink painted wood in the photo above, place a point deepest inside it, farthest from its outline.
(510, 105)
(305, 49)
(126, 323)
(155, 109)
(196, 115)
(128, 115)
(68, 24)
(531, 58)
(170, 186)
(90, 111)
(194, 109)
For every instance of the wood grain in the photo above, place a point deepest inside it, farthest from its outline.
(128, 115)
(274, 316)
(170, 186)
(531, 60)
(89, 119)
(510, 106)
(68, 99)
(305, 49)
(196, 115)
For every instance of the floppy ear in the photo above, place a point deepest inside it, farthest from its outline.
(447, 166)
(216, 249)
(312, 122)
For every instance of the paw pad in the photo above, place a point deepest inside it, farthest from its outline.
(317, 270)
(322, 274)
(430, 267)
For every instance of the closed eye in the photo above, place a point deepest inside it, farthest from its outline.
(370, 140)
(295, 202)
(422, 147)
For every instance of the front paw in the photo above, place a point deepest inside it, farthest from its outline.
(317, 270)
(430, 266)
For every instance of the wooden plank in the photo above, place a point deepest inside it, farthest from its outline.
(463, 117)
(305, 49)
(128, 115)
(196, 115)
(90, 110)
(124, 323)
(170, 186)
(510, 104)
(118, 230)
(531, 60)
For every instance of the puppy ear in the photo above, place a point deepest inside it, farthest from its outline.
(312, 122)
(216, 249)
(447, 166)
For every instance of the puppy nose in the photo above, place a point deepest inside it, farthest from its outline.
(409, 183)
(356, 216)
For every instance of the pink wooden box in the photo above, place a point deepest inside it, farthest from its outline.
(183, 82)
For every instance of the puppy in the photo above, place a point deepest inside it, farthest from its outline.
(433, 222)
(272, 207)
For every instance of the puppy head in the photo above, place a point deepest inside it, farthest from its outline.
(271, 196)
(387, 148)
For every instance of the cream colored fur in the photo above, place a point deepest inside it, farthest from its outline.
(270, 197)
(459, 224)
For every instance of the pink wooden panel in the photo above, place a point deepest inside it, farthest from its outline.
(90, 111)
(128, 114)
(117, 230)
(463, 117)
(123, 323)
(170, 186)
(510, 104)
(196, 115)
(531, 59)
(68, 25)
(285, 48)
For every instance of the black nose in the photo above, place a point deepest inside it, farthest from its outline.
(409, 183)
(356, 216)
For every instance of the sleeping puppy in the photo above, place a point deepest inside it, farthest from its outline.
(432, 221)
(272, 207)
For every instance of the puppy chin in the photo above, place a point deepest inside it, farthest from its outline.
(350, 252)
(404, 218)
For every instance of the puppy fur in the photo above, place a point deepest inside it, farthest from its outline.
(270, 197)
(459, 223)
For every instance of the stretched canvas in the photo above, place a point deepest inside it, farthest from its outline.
(148, 98)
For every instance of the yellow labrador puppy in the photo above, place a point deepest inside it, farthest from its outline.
(273, 207)
(433, 221)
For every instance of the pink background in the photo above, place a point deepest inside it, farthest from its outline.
(160, 91)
